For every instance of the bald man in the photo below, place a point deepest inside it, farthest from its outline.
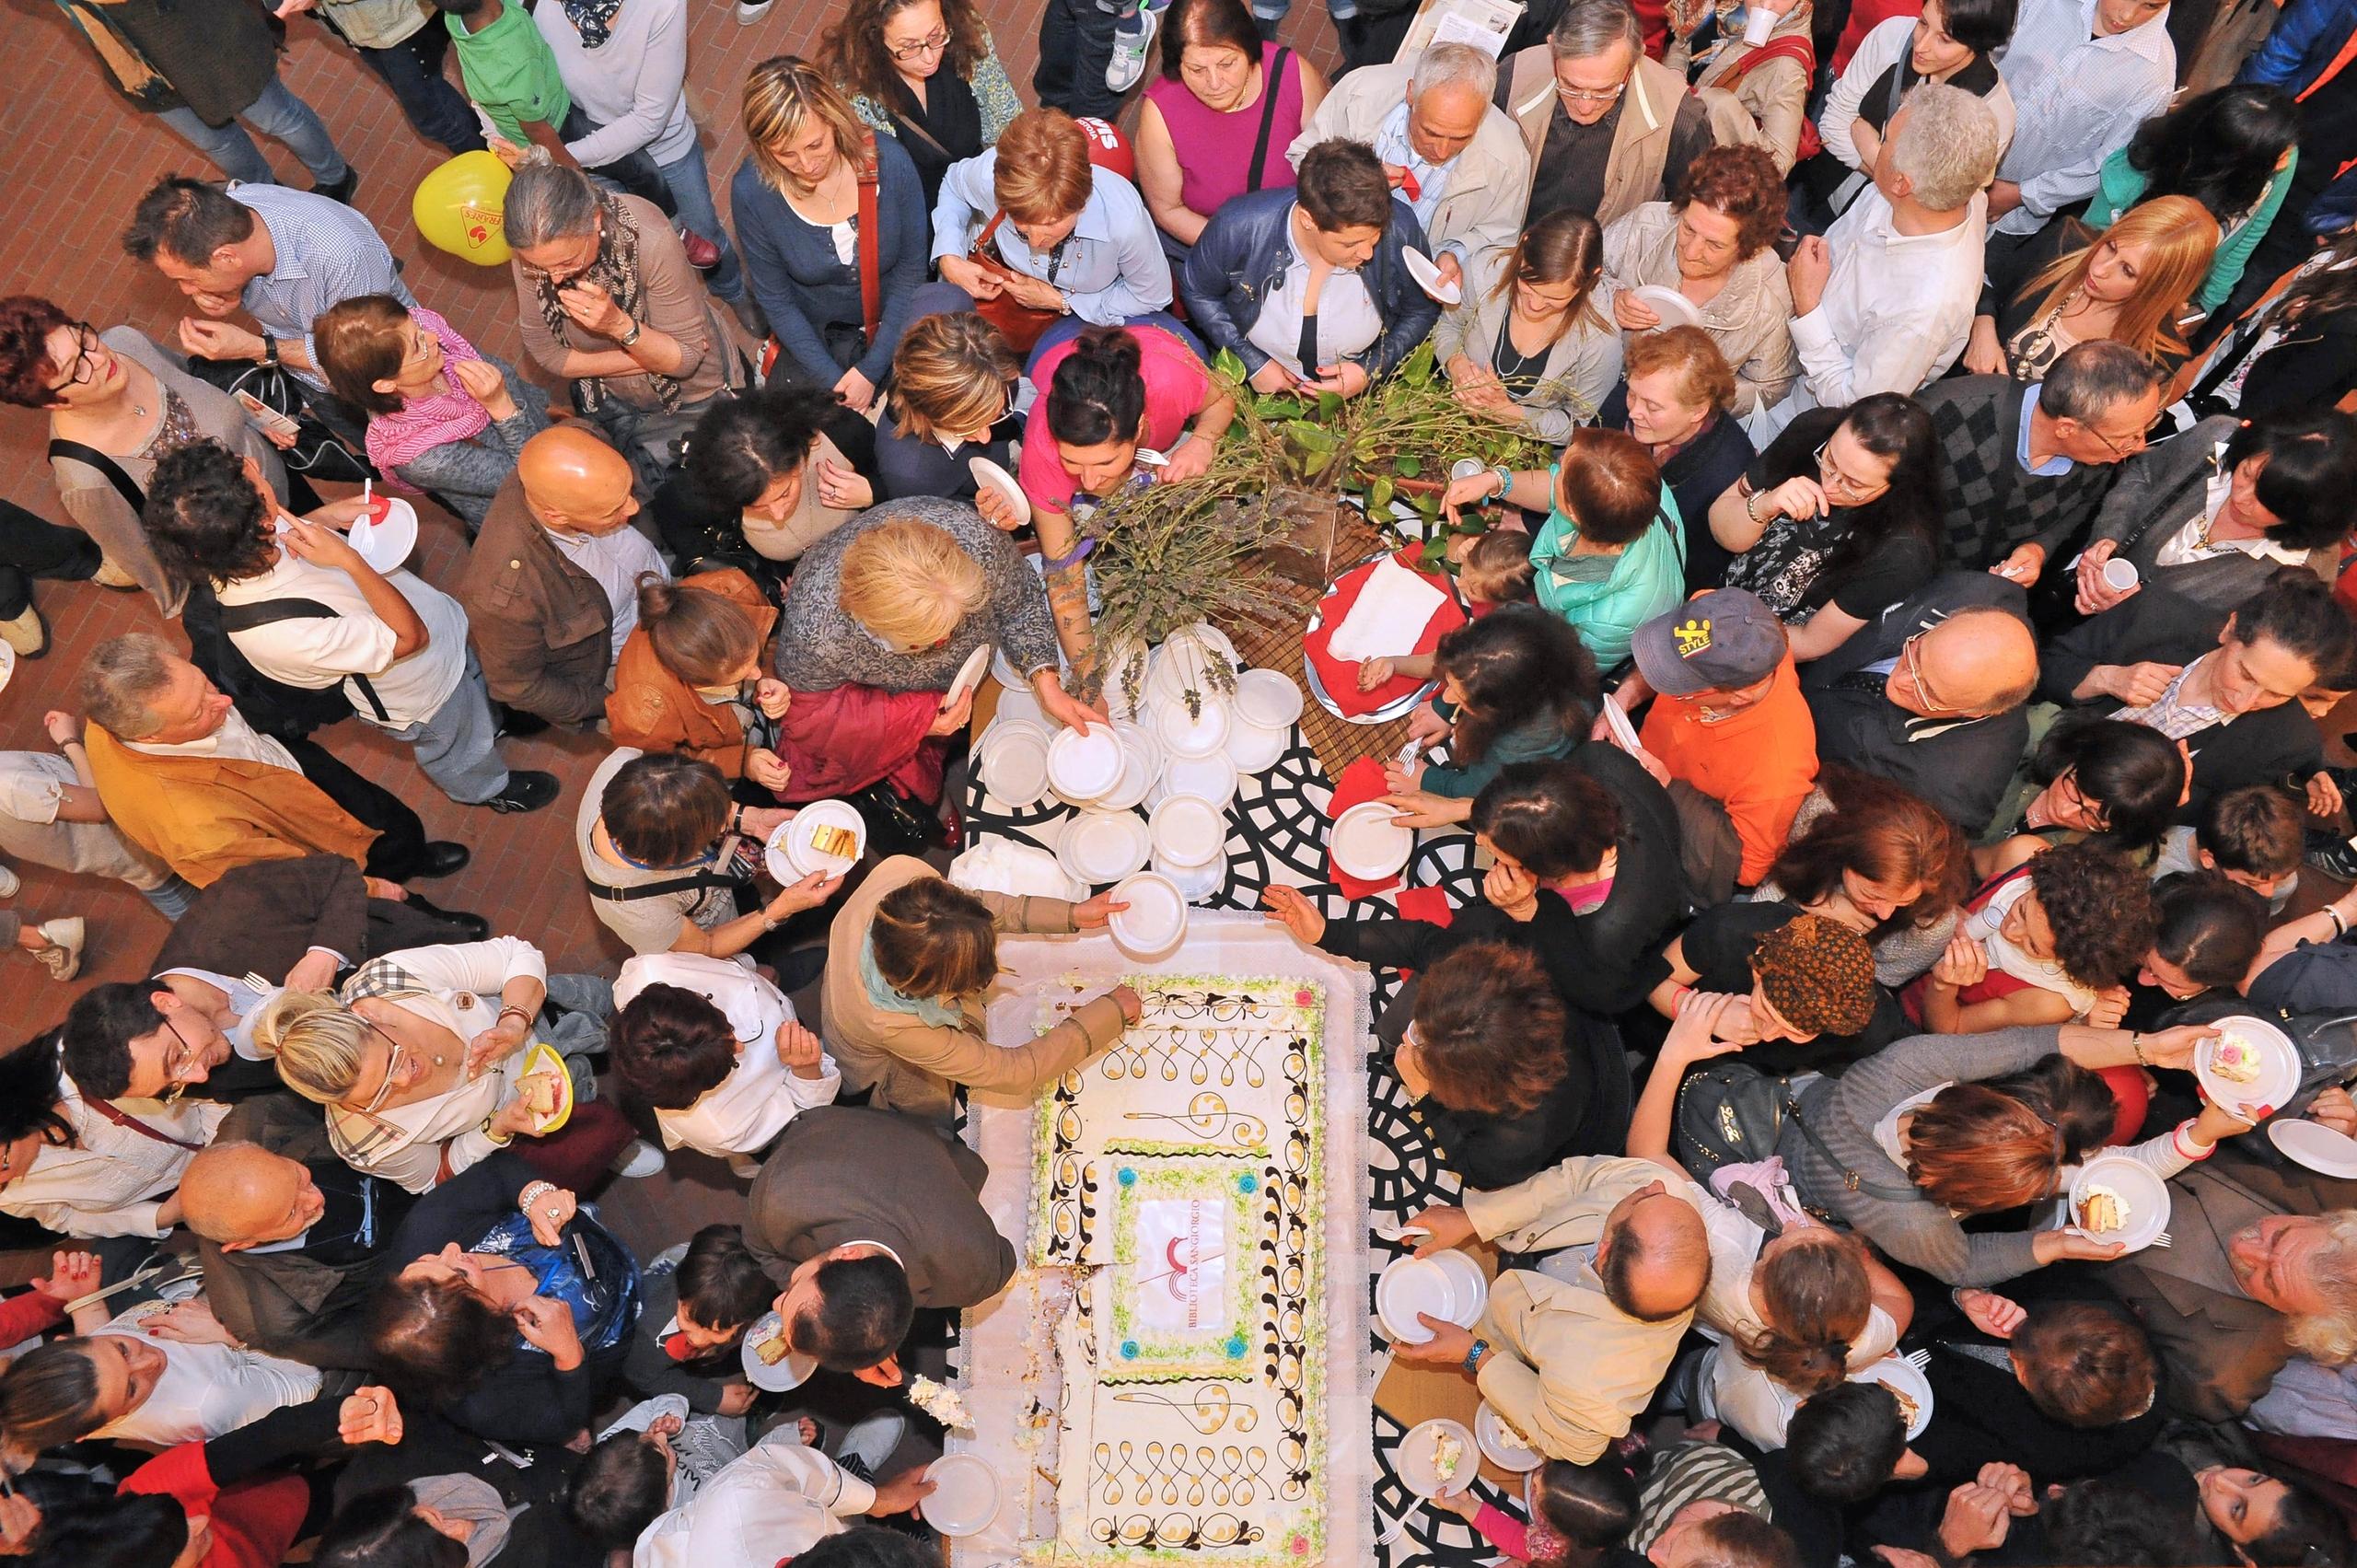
(292, 1239)
(552, 586)
(1929, 695)
(1574, 1346)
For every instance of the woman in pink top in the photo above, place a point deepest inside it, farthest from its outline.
(1105, 394)
(1213, 100)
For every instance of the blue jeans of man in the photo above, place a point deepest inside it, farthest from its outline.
(458, 745)
(435, 109)
(690, 184)
(277, 113)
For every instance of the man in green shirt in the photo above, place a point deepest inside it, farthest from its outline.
(511, 76)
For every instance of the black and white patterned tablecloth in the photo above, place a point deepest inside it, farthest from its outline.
(1276, 832)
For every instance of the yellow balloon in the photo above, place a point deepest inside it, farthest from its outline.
(458, 207)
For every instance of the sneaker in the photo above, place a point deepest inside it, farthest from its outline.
(752, 11)
(11, 883)
(342, 189)
(528, 790)
(702, 254)
(641, 1160)
(63, 957)
(109, 576)
(2337, 858)
(1129, 50)
(870, 1440)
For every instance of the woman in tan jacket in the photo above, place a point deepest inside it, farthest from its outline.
(909, 961)
(690, 679)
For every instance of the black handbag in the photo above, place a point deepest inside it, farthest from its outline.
(317, 452)
(1728, 1113)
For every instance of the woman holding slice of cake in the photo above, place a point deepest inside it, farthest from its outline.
(417, 1060)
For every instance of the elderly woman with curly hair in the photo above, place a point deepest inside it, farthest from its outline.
(2052, 941)
(1712, 245)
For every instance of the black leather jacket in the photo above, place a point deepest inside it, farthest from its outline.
(1241, 258)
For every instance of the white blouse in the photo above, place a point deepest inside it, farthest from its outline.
(206, 1390)
(744, 1111)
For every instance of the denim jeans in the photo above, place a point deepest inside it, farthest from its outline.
(277, 113)
(457, 746)
(435, 109)
(691, 185)
(172, 899)
(1075, 44)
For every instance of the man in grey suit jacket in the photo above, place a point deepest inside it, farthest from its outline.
(1929, 696)
(862, 1216)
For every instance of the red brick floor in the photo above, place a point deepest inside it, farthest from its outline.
(78, 159)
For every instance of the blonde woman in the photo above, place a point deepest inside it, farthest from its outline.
(953, 399)
(879, 617)
(926, 73)
(2129, 284)
(837, 289)
(1526, 343)
(419, 1062)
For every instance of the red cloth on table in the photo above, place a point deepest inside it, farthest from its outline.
(839, 741)
(1361, 782)
(1340, 676)
(254, 1520)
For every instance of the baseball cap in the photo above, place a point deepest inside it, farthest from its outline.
(1717, 641)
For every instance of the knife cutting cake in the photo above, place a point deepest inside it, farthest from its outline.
(1178, 1175)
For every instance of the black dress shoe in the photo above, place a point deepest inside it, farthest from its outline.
(516, 722)
(342, 189)
(527, 790)
(471, 927)
(442, 858)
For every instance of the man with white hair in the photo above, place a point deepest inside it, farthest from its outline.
(2263, 1263)
(1884, 302)
(1448, 152)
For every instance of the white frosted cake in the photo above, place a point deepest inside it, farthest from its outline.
(1179, 1176)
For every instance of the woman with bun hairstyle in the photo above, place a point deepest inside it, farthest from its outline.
(689, 677)
(1105, 394)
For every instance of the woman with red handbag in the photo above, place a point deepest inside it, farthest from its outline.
(1045, 241)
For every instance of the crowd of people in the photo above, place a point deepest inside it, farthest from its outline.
(1892, 728)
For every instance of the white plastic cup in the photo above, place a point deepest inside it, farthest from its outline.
(1758, 25)
(2119, 575)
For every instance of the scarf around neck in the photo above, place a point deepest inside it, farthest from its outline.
(422, 423)
(940, 1015)
(616, 271)
(592, 19)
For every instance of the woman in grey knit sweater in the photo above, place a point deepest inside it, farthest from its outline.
(1860, 1125)
(824, 642)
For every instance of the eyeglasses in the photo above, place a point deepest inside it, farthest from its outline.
(179, 1061)
(1582, 95)
(1834, 479)
(931, 43)
(2137, 442)
(2080, 804)
(1913, 660)
(78, 373)
(392, 1071)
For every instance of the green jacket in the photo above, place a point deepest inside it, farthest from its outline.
(2123, 186)
(1646, 578)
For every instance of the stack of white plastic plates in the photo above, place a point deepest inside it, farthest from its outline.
(1102, 847)
(1012, 758)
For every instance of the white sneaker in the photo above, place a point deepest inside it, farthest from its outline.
(1129, 50)
(63, 957)
(744, 1167)
(872, 1440)
(752, 11)
(11, 883)
(642, 1159)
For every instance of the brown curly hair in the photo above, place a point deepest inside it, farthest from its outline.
(1489, 1030)
(1740, 183)
(2101, 910)
(852, 52)
(1819, 973)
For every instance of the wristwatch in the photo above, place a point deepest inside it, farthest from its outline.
(269, 350)
(1473, 1357)
(632, 336)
